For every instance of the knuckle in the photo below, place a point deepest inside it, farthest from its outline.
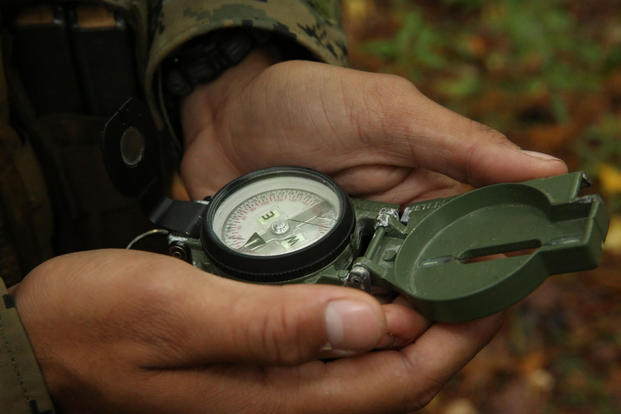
(423, 398)
(423, 387)
(154, 318)
(490, 134)
(392, 91)
(475, 153)
(398, 83)
(388, 98)
(279, 336)
(156, 293)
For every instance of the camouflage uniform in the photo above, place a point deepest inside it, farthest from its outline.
(29, 173)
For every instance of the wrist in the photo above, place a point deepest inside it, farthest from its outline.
(199, 110)
(206, 58)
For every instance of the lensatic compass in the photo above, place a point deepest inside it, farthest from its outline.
(455, 259)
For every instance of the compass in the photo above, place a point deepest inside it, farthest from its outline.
(277, 224)
(455, 259)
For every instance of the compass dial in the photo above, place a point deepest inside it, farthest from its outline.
(278, 221)
(293, 216)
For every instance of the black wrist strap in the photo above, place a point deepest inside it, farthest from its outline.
(203, 59)
(206, 57)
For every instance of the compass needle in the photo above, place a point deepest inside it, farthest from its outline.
(255, 241)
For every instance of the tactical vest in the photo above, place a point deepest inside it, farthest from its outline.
(68, 65)
(65, 69)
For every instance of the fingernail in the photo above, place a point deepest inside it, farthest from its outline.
(337, 353)
(351, 325)
(387, 341)
(540, 155)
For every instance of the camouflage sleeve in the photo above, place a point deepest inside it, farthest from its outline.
(314, 24)
(22, 389)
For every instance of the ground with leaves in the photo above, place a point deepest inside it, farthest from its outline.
(547, 74)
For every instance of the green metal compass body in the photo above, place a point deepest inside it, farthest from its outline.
(480, 252)
(456, 258)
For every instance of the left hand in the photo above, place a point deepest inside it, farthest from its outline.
(375, 133)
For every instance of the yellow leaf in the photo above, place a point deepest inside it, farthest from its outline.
(613, 239)
(460, 406)
(357, 9)
(610, 178)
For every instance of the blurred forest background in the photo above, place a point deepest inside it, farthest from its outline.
(547, 74)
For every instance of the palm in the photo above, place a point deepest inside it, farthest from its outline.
(339, 121)
(377, 134)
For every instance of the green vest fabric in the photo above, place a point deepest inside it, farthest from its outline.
(54, 193)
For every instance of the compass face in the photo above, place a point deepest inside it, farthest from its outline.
(291, 215)
(276, 215)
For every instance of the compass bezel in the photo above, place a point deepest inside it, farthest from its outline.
(281, 267)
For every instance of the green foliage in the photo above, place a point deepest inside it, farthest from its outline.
(466, 4)
(526, 67)
(602, 144)
(548, 74)
(414, 42)
(522, 49)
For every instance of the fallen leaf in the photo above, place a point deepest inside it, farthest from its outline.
(610, 179)
(613, 239)
(460, 406)
(541, 380)
(356, 12)
(533, 362)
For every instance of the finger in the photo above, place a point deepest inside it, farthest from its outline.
(167, 313)
(441, 140)
(396, 122)
(370, 179)
(379, 382)
(403, 381)
(404, 324)
(421, 184)
(223, 320)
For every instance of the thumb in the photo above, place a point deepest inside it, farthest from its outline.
(277, 324)
(415, 131)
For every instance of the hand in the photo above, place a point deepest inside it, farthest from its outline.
(127, 331)
(119, 331)
(375, 133)
(381, 139)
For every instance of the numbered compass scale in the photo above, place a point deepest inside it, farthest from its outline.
(456, 258)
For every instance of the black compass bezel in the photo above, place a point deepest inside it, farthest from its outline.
(283, 267)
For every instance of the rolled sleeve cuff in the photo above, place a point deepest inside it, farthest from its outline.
(22, 388)
(181, 20)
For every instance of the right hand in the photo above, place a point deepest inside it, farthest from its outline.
(127, 331)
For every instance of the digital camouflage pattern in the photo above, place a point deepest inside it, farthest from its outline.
(315, 24)
(161, 26)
